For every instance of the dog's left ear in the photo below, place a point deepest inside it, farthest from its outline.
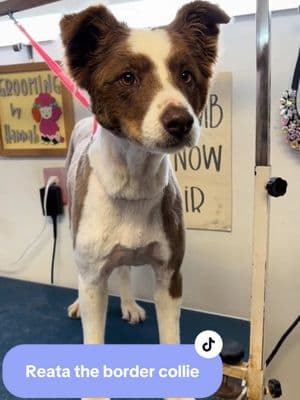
(198, 23)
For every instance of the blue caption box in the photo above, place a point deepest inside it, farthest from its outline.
(127, 371)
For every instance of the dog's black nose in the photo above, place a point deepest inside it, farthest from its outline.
(177, 121)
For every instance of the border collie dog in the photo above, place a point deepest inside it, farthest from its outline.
(147, 88)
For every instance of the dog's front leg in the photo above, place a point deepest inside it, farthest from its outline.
(167, 303)
(167, 297)
(93, 307)
(131, 311)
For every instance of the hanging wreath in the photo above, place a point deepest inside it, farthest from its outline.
(289, 116)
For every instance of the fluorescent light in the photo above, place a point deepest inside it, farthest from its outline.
(146, 13)
(137, 14)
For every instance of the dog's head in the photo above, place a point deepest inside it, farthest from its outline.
(148, 86)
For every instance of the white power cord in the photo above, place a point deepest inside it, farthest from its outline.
(242, 396)
(7, 268)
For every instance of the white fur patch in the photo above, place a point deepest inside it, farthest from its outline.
(118, 208)
(167, 309)
(93, 306)
(154, 44)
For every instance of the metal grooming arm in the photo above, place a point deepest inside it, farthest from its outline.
(253, 371)
(261, 203)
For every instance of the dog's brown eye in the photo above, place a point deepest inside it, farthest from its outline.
(186, 77)
(128, 79)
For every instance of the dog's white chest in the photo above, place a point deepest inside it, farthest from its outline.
(120, 232)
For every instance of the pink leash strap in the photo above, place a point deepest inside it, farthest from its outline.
(57, 70)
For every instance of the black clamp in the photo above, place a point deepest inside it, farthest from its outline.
(276, 187)
(274, 388)
(11, 16)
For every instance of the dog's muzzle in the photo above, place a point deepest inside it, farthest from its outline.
(177, 121)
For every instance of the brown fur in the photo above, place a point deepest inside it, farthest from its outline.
(90, 36)
(67, 166)
(121, 255)
(197, 24)
(98, 66)
(81, 186)
(173, 226)
(98, 54)
(119, 108)
(181, 60)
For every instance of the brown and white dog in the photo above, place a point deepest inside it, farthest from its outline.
(147, 88)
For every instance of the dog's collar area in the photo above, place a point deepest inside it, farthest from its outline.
(95, 126)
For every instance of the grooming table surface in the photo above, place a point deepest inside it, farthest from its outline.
(35, 313)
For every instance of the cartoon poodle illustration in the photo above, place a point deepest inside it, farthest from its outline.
(47, 112)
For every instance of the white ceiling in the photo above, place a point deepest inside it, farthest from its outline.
(137, 13)
(233, 7)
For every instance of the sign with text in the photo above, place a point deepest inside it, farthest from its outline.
(36, 112)
(204, 171)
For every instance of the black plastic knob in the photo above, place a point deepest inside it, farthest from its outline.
(274, 387)
(232, 352)
(17, 47)
(276, 187)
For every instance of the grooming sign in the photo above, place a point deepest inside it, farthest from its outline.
(204, 171)
(36, 113)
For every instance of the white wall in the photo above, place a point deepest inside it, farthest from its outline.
(217, 266)
(283, 291)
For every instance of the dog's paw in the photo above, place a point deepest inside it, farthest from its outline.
(95, 398)
(179, 398)
(132, 312)
(74, 310)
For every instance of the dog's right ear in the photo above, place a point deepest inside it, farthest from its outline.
(86, 35)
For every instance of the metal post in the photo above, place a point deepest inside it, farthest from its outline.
(261, 204)
(263, 82)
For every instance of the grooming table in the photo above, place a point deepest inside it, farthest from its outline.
(36, 313)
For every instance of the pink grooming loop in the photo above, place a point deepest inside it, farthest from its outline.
(58, 71)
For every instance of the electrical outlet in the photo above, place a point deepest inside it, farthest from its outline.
(61, 174)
